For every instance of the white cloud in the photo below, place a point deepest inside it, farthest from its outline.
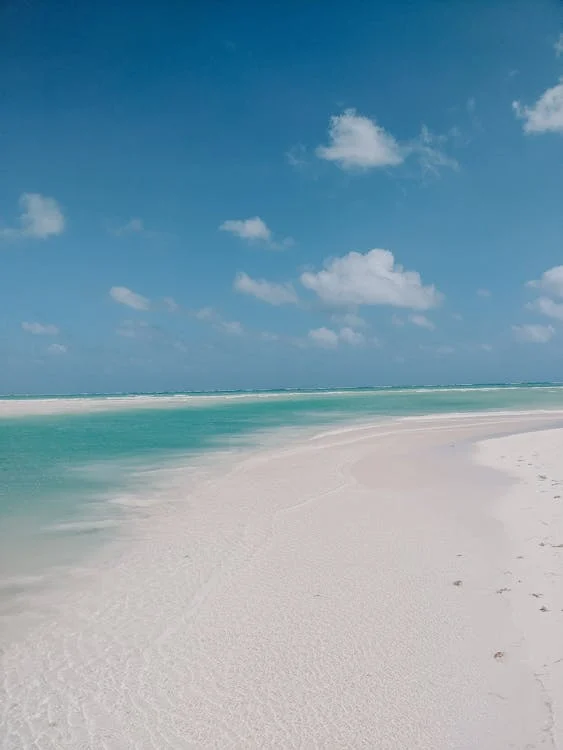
(133, 226)
(484, 293)
(248, 229)
(422, 321)
(551, 281)
(396, 320)
(267, 291)
(57, 349)
(535, 334)
(547, 306)
(40, 217)
(349, 336)
(358, 142)
(558, 46)
(256, 230)
(324, 337)
(129, 298)
(372, 278)
(40, 329)
(546, 115)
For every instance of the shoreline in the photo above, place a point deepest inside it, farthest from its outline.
(305, 596)
(37, 406)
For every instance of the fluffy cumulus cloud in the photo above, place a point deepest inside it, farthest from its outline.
(546, 115)
(248, 229)
(40, 329)
(127, 297)
(534, 333)
(40, 217)
(267, 291)
(356, 142)
(422, 322)
(372, 278)
(547, 306)
(550, 282)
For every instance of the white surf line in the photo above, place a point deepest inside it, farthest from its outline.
(11, 408)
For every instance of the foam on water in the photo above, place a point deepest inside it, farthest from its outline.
(19, 406)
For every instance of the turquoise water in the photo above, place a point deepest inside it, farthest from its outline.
(57, 471)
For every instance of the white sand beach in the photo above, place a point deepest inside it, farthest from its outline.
(395, 586)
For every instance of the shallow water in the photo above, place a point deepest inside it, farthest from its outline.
(61, 473)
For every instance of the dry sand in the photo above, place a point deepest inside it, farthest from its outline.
(393, 586)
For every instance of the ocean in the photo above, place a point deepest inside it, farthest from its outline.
(73, 469)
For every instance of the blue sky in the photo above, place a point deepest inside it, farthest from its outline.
(236, 195)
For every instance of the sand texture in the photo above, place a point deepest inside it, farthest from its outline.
(372, 587)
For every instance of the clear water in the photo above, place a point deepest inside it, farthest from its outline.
(57, 471)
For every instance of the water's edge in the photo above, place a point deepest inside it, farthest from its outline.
(74, 470)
